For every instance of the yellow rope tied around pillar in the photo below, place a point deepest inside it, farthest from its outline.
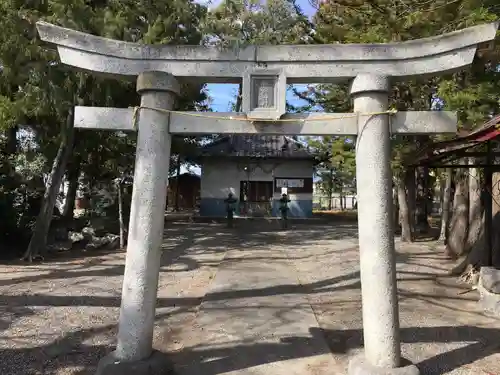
(390, 112)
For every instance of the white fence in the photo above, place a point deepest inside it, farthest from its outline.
(347, 202)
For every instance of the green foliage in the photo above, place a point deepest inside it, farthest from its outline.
(336, 168)
(474, 94)
(238, 23)
(20, 196)
(9, 113)
(36, 91)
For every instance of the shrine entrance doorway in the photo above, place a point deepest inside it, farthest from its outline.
(256, 198)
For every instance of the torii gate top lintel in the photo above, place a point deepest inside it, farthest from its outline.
(299, 63)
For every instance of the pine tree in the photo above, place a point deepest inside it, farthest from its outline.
(38, 91)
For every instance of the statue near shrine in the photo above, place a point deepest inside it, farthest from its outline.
(284, 210)
(230, 202)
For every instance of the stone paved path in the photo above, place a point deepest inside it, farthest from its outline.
(252, 300)
(258, 319)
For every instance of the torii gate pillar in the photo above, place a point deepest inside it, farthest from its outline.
(145, 236)
(147, 217)
(376, 234)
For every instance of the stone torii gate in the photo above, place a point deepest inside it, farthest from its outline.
(265, 71)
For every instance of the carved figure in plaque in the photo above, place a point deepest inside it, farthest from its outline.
(264, 91)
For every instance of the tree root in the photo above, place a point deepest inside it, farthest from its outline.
(459, 267)
(466, 271)
(30, 258)
(470, 275)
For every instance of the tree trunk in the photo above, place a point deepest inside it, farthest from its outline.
(495, 198)
(421, 222)
(38, 242)
(330, 191)
(120, 213)
(239, 100)
(73, 177)
(395, 202)
(476, 256)
(409, 181)
(495, 243)
(475, 208)
(495, 193)
(177, 183)
(459, 224)
(445, 206)
(404, 211)
(11, 143)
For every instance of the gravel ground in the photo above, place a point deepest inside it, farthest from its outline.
(60, 317)
(443, 330)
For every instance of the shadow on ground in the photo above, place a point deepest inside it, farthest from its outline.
(182, 239)
(482, 342)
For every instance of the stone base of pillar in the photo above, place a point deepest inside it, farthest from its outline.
(157, 364)
(359, 366)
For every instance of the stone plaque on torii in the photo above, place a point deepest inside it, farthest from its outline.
(265, 71)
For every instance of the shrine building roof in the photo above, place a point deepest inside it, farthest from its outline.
(256, 146)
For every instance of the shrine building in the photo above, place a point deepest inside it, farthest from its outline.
(256, 170)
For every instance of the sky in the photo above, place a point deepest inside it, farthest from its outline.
(223, 94)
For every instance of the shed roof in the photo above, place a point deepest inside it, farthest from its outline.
(438, 152)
